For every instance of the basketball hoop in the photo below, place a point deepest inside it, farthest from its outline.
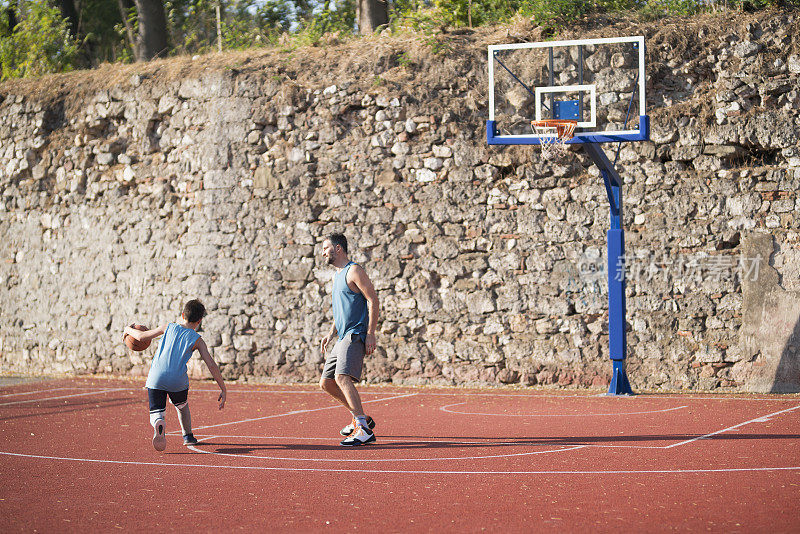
(553, 135)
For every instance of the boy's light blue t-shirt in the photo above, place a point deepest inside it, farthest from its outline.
(168, 370)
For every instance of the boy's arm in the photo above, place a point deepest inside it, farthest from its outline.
(364, 284)
(201, 347)
(144, 335)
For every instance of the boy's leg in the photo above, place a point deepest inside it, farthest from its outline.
(158, 405)
(181, 402)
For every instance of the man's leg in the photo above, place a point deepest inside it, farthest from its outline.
(350, 394)
(361, 434)
(330, 387)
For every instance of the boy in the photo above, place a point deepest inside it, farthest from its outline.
(168, 376)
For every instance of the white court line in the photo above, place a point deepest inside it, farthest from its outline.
(445, 409)
(296, 412)
(760, 419)
(34, 392)
(315, 391)
(28, 401)
(412, 472)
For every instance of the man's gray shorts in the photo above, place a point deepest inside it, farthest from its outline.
(346, 358)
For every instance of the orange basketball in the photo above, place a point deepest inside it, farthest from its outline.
(134, 344)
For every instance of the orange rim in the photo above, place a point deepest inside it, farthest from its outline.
(565, 129)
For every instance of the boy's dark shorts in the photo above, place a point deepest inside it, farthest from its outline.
(346, 358)
(158, 398)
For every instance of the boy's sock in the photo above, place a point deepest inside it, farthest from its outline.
(185, 418)
(155, 416)
(159, 431)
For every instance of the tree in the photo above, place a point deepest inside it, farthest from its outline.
(152, 37)
(71, 14)
(371, 15)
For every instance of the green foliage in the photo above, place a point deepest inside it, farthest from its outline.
(244, 23)
(554, 15)
(655, 9)
(40, 40)
(403, 60)
(755, 5)
(126, 53)
(97, 32)
(434, 16)
(39, 44)
(333, 17)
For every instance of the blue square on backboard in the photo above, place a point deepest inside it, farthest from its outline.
(566, 110)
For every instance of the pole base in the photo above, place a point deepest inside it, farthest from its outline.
(619, 380)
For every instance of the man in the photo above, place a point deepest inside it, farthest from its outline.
(355, 319)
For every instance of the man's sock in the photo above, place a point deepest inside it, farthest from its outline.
(362, 420)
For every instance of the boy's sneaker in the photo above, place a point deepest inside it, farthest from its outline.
(346, 431)
(159, 436)
(189, 439)
(360, 436)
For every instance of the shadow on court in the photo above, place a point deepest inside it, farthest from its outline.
(46, 408)
(462, 442)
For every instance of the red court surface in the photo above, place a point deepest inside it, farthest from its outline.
(76, 455)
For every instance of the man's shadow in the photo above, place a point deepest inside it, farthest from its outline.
(478, 443)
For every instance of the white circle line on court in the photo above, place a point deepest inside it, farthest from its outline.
(377, 447)
(448, 410)
(412, 472)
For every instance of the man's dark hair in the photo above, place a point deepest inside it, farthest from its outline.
(338, 239)
(193, 311)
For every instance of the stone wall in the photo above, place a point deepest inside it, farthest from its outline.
(127, 190)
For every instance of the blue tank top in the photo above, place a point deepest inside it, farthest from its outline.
(168, 370)
(349, 308)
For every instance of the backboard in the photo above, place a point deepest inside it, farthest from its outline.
(598, 82)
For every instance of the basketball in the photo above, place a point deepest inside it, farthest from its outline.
(135, 344)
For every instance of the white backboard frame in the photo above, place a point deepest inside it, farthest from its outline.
(590, 134)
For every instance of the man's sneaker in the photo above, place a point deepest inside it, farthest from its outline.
(189, 439)
(346, 431)
(360, 436)
(159, 436)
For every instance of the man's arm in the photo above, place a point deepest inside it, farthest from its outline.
(201, 347)
(359, 277)
(325, 341)
(144, 335)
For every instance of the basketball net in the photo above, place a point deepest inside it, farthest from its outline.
(553, 136)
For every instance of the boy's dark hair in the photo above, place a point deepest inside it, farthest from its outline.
(338, 239)
(193, 311)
